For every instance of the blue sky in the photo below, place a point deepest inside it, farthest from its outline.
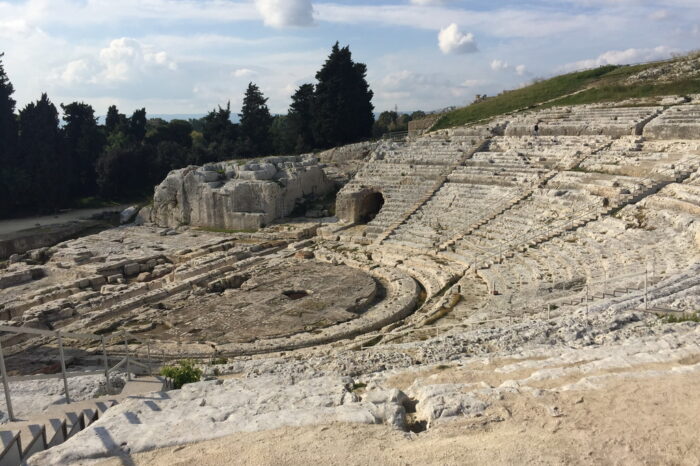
(187, 56)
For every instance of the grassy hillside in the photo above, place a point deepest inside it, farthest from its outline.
(604, 84)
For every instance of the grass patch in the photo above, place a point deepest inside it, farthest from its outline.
(604, 84)
(677, 318)
(357, 386)
(523, 98)
(618, 92)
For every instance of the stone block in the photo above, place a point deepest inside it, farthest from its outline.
(132, 269)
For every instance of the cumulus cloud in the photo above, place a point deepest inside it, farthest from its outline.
(499, 65)
(286, 13)
(502, 65)
(452, 40)
(622, 57)
(123, 60)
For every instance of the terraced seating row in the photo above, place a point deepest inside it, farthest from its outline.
(487, 183)
(583, 120)
(452, 210)
(407, 178)
(605, 256)
(677, 122)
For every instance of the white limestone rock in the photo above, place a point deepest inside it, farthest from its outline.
(213, 409)
(228, 196)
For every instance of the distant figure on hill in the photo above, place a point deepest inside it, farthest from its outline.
(536, 131)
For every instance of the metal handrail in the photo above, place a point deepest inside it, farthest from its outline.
(128, 360)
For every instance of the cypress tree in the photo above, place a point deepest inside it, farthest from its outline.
(8, 143)
(82, 142)
(40, 159)
(301, 117)
(256, 122)
(343, 110)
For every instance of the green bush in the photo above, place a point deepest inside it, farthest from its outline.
(675, 319)
(183, 373)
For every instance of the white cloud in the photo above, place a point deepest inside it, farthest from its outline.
(452, 40)
(499, 65)
(78, 71)
(286, 13)
(126, 59)
(243, 73)
(520, 70)
(622, 57)
(427, 2)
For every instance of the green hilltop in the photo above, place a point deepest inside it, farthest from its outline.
(610, 83)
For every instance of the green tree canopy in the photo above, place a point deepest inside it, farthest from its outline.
(38, 143)
(8, 141)
(115, 121)
(255, 123)
(343, 110)
(81, 144)
(301, 118)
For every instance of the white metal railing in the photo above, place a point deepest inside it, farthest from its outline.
(127, 360)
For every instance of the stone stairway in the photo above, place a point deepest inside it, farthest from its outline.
(436, 187)
(23, 438)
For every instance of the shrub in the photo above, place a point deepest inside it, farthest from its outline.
(183, 373)
(675, 319)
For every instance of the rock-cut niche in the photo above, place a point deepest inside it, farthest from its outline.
(369, 206)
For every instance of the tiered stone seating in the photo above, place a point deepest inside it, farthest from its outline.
(583, 120)
(453, 209)
(630, 156)
(605, 255)
(569, 200)
(677, 122)
(407, 176)
(487, 183)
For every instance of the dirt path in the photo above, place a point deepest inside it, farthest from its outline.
(630, 421)
(17, 224)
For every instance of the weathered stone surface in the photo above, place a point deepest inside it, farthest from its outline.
(245, 197)
(127, 215)
(198, 410)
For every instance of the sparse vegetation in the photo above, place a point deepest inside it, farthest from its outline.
(182, 373)
(604, 84)
(678, 318)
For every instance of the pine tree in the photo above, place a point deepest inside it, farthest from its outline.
(255, 123)
(343, 110)
(81, 143)
(301, 117)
